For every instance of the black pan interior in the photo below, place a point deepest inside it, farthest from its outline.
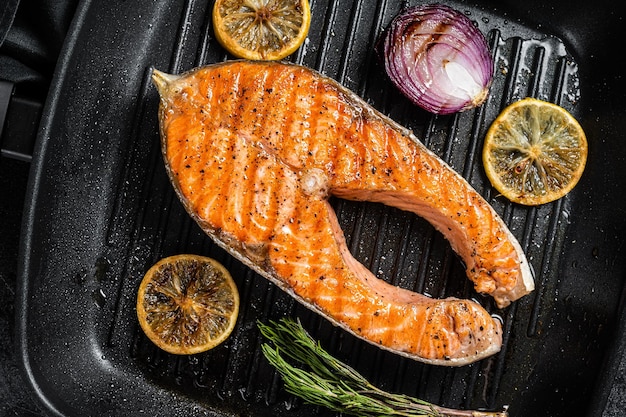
(102, 211)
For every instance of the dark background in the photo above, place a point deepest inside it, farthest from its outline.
(14, 400)
(31, 36)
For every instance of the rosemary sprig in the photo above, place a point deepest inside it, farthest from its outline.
(323, 380)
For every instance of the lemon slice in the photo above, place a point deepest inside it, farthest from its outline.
(534, 152)
(187, 304)
(261, 29)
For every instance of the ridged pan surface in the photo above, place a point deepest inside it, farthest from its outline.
(103, 211)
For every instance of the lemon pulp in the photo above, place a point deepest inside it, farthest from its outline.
(261, 29)
(187, 304)
(534, 152)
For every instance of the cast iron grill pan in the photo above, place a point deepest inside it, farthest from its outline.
(103, 211)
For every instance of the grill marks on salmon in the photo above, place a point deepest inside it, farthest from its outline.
(255, 149)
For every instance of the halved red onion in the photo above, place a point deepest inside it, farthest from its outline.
(438, 58)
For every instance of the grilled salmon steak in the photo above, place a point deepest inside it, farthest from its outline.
(255, 149)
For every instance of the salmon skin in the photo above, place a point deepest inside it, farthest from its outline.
(255, 149)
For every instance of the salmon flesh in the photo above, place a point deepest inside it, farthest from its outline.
(254, 150)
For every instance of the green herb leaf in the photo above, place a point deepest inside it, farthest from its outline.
(311, 373)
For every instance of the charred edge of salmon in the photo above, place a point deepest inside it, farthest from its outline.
(255, 259)
(162, 80)
(524, 285)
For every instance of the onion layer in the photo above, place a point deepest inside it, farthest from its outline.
(438, 58)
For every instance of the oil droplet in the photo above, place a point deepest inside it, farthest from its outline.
(102, 267)
(99, 297)
(498, 317)
(80, 278)
(291, 403)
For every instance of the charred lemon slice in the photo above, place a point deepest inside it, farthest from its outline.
(534, 152)
(261, 29)
(187, 304)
